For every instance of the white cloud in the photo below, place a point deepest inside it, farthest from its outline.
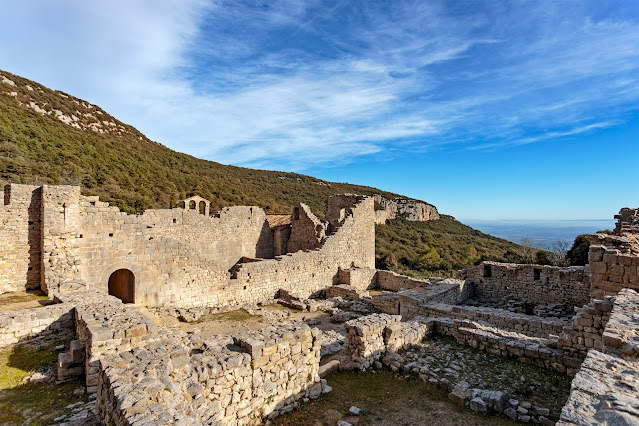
(289, 84)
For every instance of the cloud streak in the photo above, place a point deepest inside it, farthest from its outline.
(294, 84)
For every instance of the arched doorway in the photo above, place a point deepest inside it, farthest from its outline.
(122, 285)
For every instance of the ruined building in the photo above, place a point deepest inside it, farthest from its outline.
(100, 265)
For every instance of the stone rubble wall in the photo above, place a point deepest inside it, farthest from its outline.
(20, 234)
(305, 273)
(510, 321)
(307, 231)
(412, 210)
(61, 250)
(361, 278)
(587, 327)
(449, 291)
(364, 338)
(526, 349)
(143, 372)
(606, 389)
(614, 264)
(392, 281)
(54, 321)
(345, 292)
(570, 285)
(627, 221)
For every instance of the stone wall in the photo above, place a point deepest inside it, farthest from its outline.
(145, 372)
(500, 318)
(304, 273)
(526, 349)
(20, 233)
(307, 231)
(537, 283)
(54, 322)
(586, 330)
(364, 338)
(412, 210)
(173, 256)
(360, 278)
(614, 264)
(606, 390)
(392, 281)
(449, 291)
(345, 291)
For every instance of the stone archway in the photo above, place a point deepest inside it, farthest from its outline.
(122, 285)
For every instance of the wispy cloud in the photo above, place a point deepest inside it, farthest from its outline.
(288, 84)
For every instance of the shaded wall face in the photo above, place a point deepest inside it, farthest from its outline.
(21, 238)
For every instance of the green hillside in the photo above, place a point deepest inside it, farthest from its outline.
(49, 137)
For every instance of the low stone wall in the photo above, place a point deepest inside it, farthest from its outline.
(587, 327)
(389, 280)
(409, 303)
(449, 291)
(505, 320)
(361, 278)
(54, 321)
(367, 339)
(364, 338)
(605, 390)
(345, 292)
(529, 350)
(144, 372)
(537, 283)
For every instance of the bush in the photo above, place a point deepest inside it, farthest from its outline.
(578, 254)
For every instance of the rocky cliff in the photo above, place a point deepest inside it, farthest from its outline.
(413, 210)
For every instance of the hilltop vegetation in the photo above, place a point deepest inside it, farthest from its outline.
(48, 137)
(436, 247)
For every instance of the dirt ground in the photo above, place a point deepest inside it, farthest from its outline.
(240, 321)
(385, 399)
(18, 300)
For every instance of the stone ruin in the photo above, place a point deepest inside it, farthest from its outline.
(102, 267)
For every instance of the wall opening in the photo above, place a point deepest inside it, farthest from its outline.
(202, 207)
(192, 205)
(122, 285)
(537, 274)
(488, 271)
(296, 213)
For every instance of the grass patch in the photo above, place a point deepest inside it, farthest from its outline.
(23, 361)
(33, 403)
(8, 299)
(375, 292)
(237, 315)
(386, 399)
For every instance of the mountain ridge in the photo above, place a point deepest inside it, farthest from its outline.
(50, 137)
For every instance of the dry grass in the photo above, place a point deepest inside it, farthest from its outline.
(386, 399)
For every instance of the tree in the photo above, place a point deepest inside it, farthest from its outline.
(543, 257)
(578, 254)
(429, 257)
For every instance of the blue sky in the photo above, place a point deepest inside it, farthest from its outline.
(487, 109)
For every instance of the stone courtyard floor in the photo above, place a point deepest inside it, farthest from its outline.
(385, 399)
(439, 359)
